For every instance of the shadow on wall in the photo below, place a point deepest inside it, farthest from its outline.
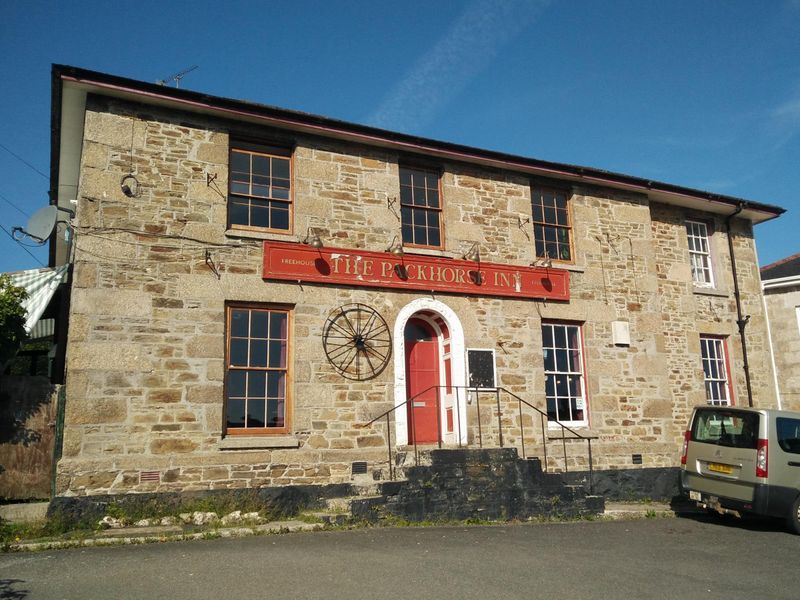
(27, 434)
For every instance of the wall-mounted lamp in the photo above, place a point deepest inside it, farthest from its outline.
(312, 238)
(396, 247)
(473, 254)
(129, 186)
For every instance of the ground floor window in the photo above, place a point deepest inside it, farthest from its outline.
(562, 348)
(257, 370)
(715, 370)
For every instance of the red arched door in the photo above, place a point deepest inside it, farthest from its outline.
(422, 372)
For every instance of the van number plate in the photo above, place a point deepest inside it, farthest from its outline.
(718, 468)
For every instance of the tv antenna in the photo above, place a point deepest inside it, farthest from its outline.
(176, 77)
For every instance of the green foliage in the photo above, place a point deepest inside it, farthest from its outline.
(12, 318)
(31, 364)
(11, 533)
(306, 517)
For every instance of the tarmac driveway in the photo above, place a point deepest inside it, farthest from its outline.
(650, 558)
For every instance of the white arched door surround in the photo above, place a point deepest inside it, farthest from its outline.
(457, 365)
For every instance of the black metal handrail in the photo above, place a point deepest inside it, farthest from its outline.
(413, 425)
(543, 417)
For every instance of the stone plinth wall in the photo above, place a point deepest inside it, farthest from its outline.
(272, 502)
(153, 275)
(635, 484)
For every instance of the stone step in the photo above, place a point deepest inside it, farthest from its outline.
(331, 518)
(343, 503)
(24, 512)
(462, 483)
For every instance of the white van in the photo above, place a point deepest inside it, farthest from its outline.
(744, 460)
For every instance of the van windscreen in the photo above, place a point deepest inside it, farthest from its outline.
(723, 427)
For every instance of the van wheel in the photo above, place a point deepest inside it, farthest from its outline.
(794, 517)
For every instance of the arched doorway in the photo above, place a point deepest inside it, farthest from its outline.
(422, 380)
(429, 351)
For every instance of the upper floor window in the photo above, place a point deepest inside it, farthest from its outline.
(699, 253)
(551, 224)
(420, 207)
(797, 312)
(715, 370)
(257, 370)
(260, 188)
(563, 373)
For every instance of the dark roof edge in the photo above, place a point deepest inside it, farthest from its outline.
(782, 268)
(55, 154)
(87, 76)
(780, 261)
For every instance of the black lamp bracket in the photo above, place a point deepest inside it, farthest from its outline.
(391, 202)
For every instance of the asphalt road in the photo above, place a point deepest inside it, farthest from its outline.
(652, 558)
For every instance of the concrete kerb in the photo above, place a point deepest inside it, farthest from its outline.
(168, 533)
(150, 535)
(647, 510)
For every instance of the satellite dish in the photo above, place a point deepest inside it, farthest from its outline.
(41, 224)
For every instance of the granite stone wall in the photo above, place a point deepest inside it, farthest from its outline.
(145, 356)
(782, 304)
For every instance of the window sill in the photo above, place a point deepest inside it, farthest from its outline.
(411, 251)
(554, 432)
(703, 291)
(568, 267)
(261, 235)
(240, 442)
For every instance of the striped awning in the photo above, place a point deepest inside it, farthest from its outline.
(40, 284)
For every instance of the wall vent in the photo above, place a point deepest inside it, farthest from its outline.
(360, 468)
(149, 476)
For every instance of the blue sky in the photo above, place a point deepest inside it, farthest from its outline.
(702, 94)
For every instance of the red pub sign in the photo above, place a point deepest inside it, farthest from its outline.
(293, 262)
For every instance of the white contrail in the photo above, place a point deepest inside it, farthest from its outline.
(468, 48)
(784, 122)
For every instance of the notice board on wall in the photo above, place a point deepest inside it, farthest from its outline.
(480, 368)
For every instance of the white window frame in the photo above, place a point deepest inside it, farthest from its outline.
(797, 314)
(700, 253)
(716, 379)
(580, 402)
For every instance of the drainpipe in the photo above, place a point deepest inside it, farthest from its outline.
(740, 321)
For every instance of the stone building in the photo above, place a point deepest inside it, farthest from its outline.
(251, 286)
(781, 282)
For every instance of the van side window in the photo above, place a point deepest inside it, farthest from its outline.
(788, 434)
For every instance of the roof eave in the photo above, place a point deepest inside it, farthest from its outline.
(143, 92)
